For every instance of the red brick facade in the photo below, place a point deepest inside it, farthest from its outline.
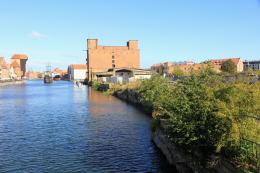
(101, 58)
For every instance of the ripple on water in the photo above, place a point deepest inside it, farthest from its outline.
(60, 128)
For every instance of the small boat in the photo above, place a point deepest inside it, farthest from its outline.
(48, 75)
(47, 79)
(57, 78)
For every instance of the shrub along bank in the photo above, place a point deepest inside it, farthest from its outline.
(204, 112)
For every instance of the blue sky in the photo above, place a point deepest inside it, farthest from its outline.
(167, 30)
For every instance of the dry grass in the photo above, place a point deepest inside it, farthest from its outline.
(131, 85)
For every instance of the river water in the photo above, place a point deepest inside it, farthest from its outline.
(61, 128)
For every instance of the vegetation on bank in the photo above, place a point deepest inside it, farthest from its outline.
(204, 111)
(207, 112)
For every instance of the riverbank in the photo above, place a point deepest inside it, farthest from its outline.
(200, 111)
(187, 162)
(6, 83)
(133, 97)
(183, 161)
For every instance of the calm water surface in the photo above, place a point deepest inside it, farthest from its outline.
(61, 128)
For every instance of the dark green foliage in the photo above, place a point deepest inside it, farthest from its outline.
(194, 117)
(154, 90)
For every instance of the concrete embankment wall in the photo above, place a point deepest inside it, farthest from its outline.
(5, 83)
(176, 156)
(133, 97)
(186, 162)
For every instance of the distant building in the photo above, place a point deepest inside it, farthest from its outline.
(57, 72)
(185, 66)
(4, 70)
(101, 58)
(254, 65)
(33, 75)
(77, 72)
(15, 70)
(188, 66)
(158, 68)
(216, 63)
(18, 63)
(123, 75)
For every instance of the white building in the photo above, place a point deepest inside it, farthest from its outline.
(123, 75)
(77, 72)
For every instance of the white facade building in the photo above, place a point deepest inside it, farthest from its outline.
(123, 75)
(77, 72)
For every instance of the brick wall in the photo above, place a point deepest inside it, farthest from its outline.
(101, 58)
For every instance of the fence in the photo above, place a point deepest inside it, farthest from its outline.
(251, 150)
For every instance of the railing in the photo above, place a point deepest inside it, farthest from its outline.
(251, 150)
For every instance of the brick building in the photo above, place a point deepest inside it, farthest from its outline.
(15, 70)
(101, 58)
(188, 66)
(18, 63)
(4, 69)
(237, 61)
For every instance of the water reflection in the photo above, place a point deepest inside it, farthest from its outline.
(100, 104)
(60, 128)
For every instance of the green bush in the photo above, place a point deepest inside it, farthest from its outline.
(95, 85)
(204, 110)
(154, 90)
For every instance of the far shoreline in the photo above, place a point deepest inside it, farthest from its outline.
(14, 82)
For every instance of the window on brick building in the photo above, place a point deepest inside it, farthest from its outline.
(113, 65)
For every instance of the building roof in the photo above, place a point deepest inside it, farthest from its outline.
(252, 62)
(19, 56)
(78, 66)
(157, 65)
(57, 70)
(234, 60)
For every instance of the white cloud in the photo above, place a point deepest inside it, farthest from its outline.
(37, 35)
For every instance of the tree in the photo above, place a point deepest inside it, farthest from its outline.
(178, 72)
(161, 70)
(228, 66)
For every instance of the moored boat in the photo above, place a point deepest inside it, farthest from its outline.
(57, 78)
(48, 75)
(47, 79)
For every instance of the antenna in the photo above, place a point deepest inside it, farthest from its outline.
(48, 67)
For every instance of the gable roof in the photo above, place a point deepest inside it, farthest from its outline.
(218, 61)
(19, 56)
(58, 70)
